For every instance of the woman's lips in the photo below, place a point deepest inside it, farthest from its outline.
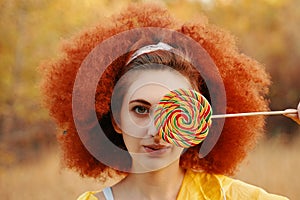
(156, 149)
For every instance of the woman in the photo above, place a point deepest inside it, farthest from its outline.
(109, 133)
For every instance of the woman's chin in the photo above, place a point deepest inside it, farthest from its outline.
(150, 163)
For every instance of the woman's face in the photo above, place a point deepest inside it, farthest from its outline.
(148, 151)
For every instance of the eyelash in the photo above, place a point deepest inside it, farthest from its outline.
(134, 109)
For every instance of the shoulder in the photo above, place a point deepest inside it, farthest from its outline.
(242, 190)
(224, 187)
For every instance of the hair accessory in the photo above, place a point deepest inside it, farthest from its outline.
(183, 117)
(150, 48)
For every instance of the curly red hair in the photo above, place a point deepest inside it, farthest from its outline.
(245, 80)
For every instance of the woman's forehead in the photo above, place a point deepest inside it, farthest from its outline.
(155, 83)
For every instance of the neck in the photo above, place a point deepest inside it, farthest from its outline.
(161, 184)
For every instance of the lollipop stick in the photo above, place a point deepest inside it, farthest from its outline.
(290, 111)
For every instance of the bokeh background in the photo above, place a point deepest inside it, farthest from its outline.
(31, 31)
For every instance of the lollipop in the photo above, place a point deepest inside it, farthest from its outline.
(183, 117)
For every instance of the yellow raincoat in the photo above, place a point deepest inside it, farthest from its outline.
(203, 186)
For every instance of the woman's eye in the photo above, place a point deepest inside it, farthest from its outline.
(141, 110)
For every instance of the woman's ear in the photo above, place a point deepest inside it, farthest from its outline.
(115, 125)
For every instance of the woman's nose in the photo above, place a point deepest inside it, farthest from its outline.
(152, 130)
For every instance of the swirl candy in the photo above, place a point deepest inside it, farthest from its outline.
(183, 117)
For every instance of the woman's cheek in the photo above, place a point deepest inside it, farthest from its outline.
(134, 128)
(141, 121)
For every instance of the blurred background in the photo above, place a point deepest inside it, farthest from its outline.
(31, 32)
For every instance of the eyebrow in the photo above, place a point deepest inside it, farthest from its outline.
(140, 101)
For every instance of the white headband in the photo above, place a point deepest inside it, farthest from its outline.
(150, 48)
